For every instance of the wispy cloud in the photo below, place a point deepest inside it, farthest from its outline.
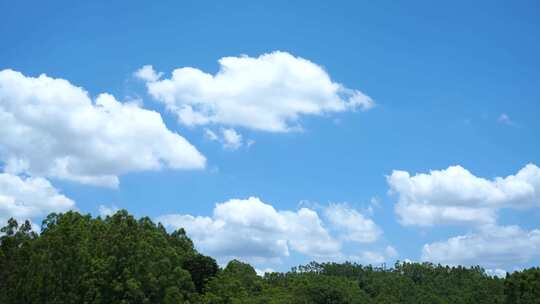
(505, 119)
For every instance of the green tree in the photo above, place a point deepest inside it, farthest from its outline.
(80, 259)
(201, 268)
(523, 287)
(121, 259)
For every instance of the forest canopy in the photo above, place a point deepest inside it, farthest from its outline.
(76, 258)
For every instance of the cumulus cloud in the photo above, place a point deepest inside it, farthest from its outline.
(52, 128)
(269, 93)
(492, 246)
(252, 230)
(353, 225)
(457, 196)
(29, 197)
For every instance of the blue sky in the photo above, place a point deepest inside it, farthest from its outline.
(453, 84)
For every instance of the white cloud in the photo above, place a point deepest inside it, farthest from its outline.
(52, 128)
(228, 137)
(147, 73)
(105, 211)
(497, 272)
(231, 139)
(253, 230)
(261, 272)
(267, 93)
(27, 198)
(354, 226)
(492, 246)
(375, 257)
(370, 257)
(456, 196)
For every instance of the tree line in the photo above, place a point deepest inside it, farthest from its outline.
(120, 259)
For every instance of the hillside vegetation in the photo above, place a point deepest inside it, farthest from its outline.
(79, 259)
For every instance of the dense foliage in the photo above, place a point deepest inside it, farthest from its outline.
(119, 259)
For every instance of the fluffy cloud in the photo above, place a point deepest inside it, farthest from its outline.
(253, 230)
(147, 73)
(52, 128)
(268, 93)
(28, 198)
(456, 196)
(231, 139)
(355, 226)
(492, 246)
